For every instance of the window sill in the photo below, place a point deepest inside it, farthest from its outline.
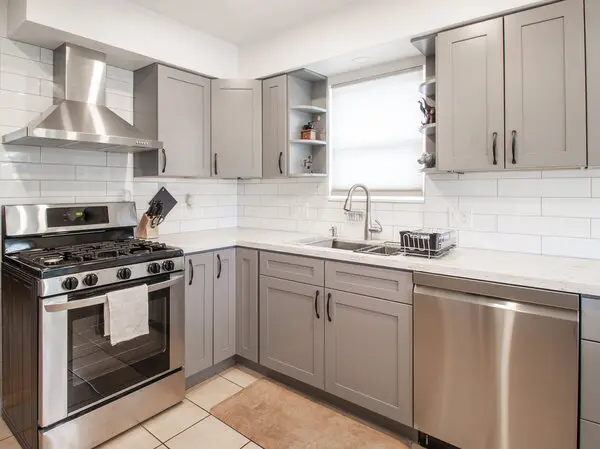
(381, 199)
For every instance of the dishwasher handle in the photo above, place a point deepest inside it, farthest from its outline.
(487, 301)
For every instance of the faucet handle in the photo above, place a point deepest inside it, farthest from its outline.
(376, 227)
(333, 231)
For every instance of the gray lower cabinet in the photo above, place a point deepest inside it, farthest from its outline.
(368, 353)
(246, 307)
(545, 90)
(173, 106)
(470, 97)
(592, 35)
(590, 381)
(292, 329)
(275, 127)
(224, 304)
(236, 128)
(198, 313)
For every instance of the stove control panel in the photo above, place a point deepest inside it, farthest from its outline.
(109, 276)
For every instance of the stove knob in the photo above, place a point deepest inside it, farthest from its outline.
(124, 273)
(70, 283)
(154, 268)
(90, 280)
(168, 265)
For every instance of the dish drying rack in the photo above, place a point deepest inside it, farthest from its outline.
(429, 243)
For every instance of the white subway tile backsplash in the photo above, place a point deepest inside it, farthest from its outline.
(550, 188)
(16, 171)
(73, 157)
(553, 226)
(261, 189)
(20, 49)
(501, 206)
(119, 74)
(571, 207)
(46, 88)
(20, 189)
(66, 188)
(501, 242)
(484, 187)
(571, 247)
(16, 118)
(89, 173)
(19, 153)
(19, 83)
(24, 101)
(26, 67)
(47, 56)
(119, 159)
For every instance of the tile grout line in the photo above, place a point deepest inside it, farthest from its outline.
(179, 433)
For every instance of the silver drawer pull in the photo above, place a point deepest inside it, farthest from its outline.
(97, 300)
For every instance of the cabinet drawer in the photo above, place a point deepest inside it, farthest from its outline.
(590, 319)
(589, 435)
(293, 268)
(377, 282)
(590, 380)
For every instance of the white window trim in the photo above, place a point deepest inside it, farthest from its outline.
(356, 76)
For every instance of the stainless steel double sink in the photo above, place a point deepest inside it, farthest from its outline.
(381, 249)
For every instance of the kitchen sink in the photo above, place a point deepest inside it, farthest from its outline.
(381, 250)
(340, 244)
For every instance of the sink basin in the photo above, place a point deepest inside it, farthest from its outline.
(340, 244)
(382, 250)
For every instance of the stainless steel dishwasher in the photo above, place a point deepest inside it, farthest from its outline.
(496, 366)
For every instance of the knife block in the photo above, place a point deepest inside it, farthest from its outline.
(145, 230)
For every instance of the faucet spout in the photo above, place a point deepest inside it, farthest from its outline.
(369, 226)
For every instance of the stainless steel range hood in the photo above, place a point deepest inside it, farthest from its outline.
(79, 118)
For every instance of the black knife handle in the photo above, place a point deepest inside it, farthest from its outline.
(164, 167)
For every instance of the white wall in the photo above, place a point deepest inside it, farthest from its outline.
(549, 212)
(125, 26)
(364, 25)
(33, 175)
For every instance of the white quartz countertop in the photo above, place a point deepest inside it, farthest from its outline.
(546, 272)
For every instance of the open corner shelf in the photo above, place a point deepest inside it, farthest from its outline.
(310, 109)
(427, 88)
(427, 130)
(308, 175)
(309, 142)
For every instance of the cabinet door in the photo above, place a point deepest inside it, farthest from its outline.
(292, 329)
(592, 35)
(275, 114)
(198, 313)
(368, 353)
(246, 307)
(545, 87)
(470, 97)
(237, 128)
(183, 123)
(224, 304)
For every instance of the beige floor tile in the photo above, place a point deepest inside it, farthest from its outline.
(212, 391)
(175, 420)
(240, 375)
(138, 438)
(9, 443)
(4, 430)
(252, 445)
(209, 433)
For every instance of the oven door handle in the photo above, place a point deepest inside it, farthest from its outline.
(97, 300)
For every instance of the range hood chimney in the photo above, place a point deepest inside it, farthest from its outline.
(79, 118)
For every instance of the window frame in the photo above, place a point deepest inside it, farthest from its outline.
(359, 76)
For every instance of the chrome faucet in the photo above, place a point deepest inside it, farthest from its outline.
(369, 226)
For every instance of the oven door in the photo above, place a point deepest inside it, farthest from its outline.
(80, 369)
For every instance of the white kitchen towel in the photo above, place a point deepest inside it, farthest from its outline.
(126, 314)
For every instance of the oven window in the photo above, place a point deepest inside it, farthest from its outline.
(97, 370)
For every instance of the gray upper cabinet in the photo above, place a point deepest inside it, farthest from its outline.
(224, 304)
(545, 87)
(246, 307)
(592, 33)
(470, 97)
(173, 106)
(275, 127)
(368, 354)
(292, 329)
(236, 128)
(198, 313)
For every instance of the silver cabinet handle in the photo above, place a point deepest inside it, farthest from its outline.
(97, 300)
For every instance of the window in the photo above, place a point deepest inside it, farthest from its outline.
(374, 135)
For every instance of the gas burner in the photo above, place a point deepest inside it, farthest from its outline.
(90, 252)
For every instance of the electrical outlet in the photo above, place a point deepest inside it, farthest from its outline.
(461, 219)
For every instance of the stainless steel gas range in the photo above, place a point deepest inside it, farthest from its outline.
(64, 386)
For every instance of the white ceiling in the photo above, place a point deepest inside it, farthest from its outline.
(243, 21)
